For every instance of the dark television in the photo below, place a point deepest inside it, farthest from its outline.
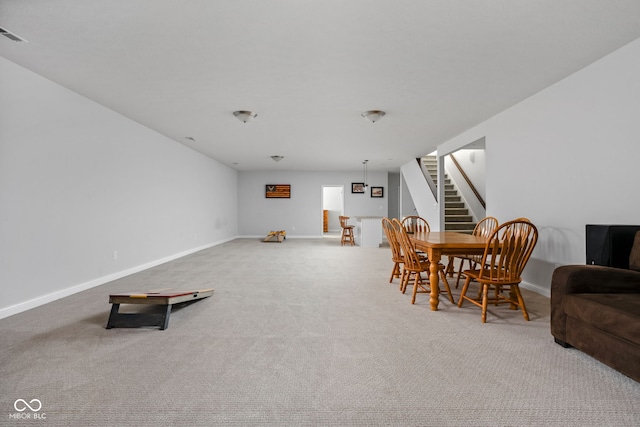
(610, 245)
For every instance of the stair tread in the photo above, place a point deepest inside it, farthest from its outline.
(457, 217)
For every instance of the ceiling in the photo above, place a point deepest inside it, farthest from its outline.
(310, 68)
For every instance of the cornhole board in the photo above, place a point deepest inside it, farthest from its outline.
(276, 236)
(167, 298)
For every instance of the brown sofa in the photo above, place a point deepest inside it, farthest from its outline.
(597, 310)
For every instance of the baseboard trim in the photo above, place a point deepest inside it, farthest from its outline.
(262, 236)
(536, 288)
(53, 296)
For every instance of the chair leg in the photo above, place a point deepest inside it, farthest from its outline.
(513, 294)
(416, 280)
(346, 237)
(485, 298)
(451, 269)
(480, 292)
(403, 280)
(464, 290)
(521, 302)
(395, 272)
(459, 272)
(443, 275)
(471, 267)
(407, 278)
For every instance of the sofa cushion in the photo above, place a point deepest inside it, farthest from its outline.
(616, 314)
(634, 256)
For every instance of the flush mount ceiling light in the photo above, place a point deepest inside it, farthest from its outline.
(277, 158)
(244, 116)
(373, 115)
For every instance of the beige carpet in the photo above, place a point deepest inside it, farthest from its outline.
(300, 333)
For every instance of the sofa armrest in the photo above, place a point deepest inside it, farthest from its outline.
(585, 279)
(579, 279)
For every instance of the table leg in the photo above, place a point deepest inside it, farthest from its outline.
(131, 320)
(164, 323)
(113, 316)
(434, 259)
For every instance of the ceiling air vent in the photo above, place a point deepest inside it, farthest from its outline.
(10, 35)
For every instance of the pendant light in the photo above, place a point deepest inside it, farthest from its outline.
(365, 174)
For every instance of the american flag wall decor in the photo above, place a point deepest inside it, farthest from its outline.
(278, 191)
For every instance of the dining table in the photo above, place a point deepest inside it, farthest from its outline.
(438, 243)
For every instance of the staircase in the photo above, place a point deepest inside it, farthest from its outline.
(456, 214)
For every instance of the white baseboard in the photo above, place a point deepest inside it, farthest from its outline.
(536, 288)
(262, 236)
(53, 296)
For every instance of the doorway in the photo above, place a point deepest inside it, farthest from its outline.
(466, 167)
(332, 208)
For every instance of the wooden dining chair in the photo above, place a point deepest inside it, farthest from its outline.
(506, 254)
(347, 231)
(484, 228)
(415, 224)
(396, 252)
(415, 264)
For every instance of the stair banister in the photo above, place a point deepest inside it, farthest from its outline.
(469, 183)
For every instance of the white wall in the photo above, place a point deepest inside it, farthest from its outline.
(79, 181)
(301, 215)
(567, 157)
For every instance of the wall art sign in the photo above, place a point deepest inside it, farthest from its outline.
(377, 191)
(278, 191)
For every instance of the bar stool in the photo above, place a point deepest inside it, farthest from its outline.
(347, 231)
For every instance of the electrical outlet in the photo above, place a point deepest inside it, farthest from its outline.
(115, 255)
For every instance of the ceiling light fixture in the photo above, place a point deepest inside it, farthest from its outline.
(373, 115)
(244, 116)
(277, 158)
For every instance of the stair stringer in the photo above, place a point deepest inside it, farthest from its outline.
(423, 199)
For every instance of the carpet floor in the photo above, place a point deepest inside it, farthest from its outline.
(299, 333)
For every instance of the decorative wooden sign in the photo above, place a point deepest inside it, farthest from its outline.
(278, 191)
